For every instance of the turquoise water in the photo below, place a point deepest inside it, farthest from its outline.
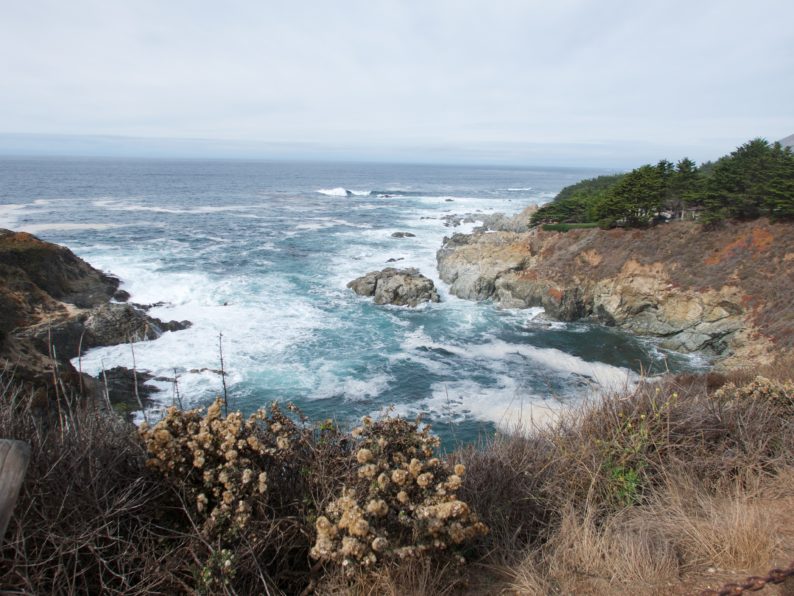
(260, 252)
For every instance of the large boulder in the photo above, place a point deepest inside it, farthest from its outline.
(401, 287)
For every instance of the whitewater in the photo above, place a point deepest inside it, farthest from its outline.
(257, 256)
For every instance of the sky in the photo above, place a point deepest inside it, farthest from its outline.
(569, 82)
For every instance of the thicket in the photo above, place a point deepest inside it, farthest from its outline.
(207, 502)
(755, 180)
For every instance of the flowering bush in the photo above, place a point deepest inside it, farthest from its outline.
(760, 388)
(400, 501)
(220, 463)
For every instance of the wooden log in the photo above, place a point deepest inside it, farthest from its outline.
(14, 458)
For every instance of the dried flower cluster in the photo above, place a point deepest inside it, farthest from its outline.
(399, 502)
(760, 388)
(219, 462)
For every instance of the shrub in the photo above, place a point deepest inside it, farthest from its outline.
(401, 502)
(220, 463)
(776, 393)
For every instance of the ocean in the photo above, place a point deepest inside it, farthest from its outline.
(257, 255)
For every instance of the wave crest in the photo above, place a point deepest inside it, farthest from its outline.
(343, 192)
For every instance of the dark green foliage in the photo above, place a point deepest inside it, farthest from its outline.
(637, 197)
(755, 180)
(575, 203)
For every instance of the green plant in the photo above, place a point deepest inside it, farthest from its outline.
(217, 573)
(624, 459)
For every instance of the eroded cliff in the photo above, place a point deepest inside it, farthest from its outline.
(725, 291)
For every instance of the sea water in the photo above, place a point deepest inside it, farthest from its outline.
(257, 256)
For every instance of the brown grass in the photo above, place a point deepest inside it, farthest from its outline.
(666, 544)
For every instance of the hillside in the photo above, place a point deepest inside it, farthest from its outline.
(788, 141)
(724, 291)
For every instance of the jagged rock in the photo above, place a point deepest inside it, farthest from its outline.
(53, 306)
(112, 324)
(401, 287)
(125, 387)
(499, 222)
(695, 289)
(107, 325)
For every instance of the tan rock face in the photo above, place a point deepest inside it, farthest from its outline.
(696, 289)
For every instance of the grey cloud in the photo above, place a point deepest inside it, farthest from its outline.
(394, 77)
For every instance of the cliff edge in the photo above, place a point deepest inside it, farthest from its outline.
(53, 307)
(725, 291)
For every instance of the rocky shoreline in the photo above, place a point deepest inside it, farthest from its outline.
(716, 292)
(53, 307)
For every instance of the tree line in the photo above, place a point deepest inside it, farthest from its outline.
(755, 180)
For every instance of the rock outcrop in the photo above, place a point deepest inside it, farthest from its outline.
(401, 287)
(54, 306)
(718, 291)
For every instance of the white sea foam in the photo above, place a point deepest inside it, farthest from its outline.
(256, 335)
(343, 192)
(10, 213)
(115, 205)
(604, 376)
(61, 226)
(322, 223)
(506, 404)
(330, 383)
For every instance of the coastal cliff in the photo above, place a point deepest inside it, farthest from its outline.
(724, 291)
(54, 306)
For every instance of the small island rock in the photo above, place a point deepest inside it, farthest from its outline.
(401, 287)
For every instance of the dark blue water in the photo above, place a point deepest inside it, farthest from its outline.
(260, 252)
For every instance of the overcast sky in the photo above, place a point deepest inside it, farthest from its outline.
(604, 82)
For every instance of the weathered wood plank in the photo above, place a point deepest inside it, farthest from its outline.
(14, 458)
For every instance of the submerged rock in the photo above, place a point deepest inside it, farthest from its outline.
(403, 235)
(401, 287)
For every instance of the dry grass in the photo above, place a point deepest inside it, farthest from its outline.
(405, 578)
(706, 485)
(683, 530)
